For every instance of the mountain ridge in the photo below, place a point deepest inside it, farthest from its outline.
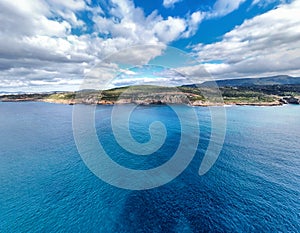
(246, 82)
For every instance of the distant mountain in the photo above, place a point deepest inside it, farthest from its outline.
(246, 82)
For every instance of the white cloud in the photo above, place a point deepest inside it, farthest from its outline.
(73, 5)
(32, 42)
(29, 19)
(224, 7)
(136, 55)
(165, 77)
(128, 21)
(193, 23)
(38, 49)
(194, 74)
(37, 35)
(263, 3)
(267, 44)
(170, 3)
(169, 29)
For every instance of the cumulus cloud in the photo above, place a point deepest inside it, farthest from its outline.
(28, 19)
(37, 37)
(130, 22)
(39, 49)
(266, 44)
(136, 55)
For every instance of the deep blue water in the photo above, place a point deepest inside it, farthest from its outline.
(253, 187)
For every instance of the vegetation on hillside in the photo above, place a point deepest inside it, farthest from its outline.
(159, 94)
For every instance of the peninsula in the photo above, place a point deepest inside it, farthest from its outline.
(269, 91)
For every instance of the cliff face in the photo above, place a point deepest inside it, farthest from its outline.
(157, 98)
(137, 95)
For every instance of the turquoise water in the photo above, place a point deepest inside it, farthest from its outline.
(46, 187)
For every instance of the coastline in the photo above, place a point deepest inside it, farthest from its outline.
(160, 95)
(145, 103)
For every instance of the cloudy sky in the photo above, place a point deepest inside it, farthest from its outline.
(53, 44)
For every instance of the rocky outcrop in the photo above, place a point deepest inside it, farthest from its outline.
(290, 100)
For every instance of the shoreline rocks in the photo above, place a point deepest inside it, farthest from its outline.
(290, 100)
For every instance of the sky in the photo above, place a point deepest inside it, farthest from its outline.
(48, 45)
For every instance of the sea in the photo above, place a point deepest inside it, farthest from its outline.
(45, 186)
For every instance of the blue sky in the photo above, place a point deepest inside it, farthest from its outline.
(52, 44)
